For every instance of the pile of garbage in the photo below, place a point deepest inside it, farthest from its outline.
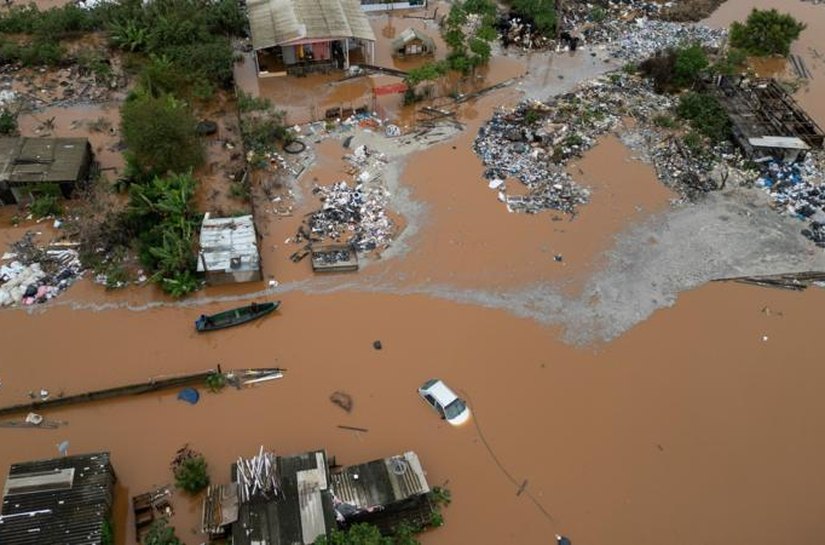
(533, 142)
(797, 189)
(41, 87)
(604, 21)
(34, 275)
(352, 214)
(644, 37)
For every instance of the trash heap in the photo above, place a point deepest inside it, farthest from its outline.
(352, 214)
(32, 274)
(797, 189)
(533, 143)
(644, 37)
(604, 21)
(689, 173)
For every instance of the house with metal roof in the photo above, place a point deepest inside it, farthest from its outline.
(31, 166)
(310, 497)
(229, 250)
(64, 500)
(302, 36)
(411, 42)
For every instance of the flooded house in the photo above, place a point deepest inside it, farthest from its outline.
(298, 37)
(229, 250)
(295, 499)
(412, 43)
(65, 500)
(766, 121)
(34, 166)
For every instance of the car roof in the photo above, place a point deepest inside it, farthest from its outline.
(440, 392)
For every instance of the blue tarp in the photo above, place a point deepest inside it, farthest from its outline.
(189, 395)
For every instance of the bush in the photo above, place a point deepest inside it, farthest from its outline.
(706, 115)
(766, 32)
(541, 12)
(189, 468)
(47, 202)
(160, 533)
(8, 122)
(674, 69)
(248, 103)
(690, 61)
(159, 132)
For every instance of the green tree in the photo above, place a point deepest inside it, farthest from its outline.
(159, 132)
(8, 122)
(705, 114)
(160, 533)
(541, 12)
(690, 61)
(189, 468)
(766, 32)
(357, 534)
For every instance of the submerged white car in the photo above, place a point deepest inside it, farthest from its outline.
(449, 406)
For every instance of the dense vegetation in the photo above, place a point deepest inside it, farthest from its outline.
(189, 468)
(367, 534)
(766, 32)
(675, 69)
(540, 12)
(160, 533)
(705, 114)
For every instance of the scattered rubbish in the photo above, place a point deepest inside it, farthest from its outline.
(189, 395)
(348, 141)
(343, 400)
(377, 345)
(522, 488)
(44, 394)
(294, 146)
(558, 258)
(38, 274)
(206, 128)
(63, 448)
(764, 338)
(790, 281)
(334, 258)
(392, 130)
(352, 428)
(34, 418)
(150, 506)
(561, 540)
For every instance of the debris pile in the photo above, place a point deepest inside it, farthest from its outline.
(41, 87)
(257, 476)
(353, 213)
(797, 188)
(645, 37)
(34, 274)
(533, 142)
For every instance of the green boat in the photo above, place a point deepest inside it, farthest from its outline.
(236, 316)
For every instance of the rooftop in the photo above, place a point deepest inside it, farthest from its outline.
(63, 500)
(410, 34)
(228, 244)
(28, 160)
(292, 22)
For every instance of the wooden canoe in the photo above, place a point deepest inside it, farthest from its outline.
(236, 316)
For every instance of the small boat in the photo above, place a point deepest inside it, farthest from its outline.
(236, 316)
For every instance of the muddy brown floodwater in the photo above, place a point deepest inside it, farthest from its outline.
(702, 424)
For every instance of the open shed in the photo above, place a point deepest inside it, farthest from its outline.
(411, 43)
(31, 166)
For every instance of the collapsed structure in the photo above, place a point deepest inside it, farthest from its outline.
(64, 500)
(766, 120)
(280, 500)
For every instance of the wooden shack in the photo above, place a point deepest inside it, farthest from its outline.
(32, 166)
(65, 500)
(229, 250)
(412, 43)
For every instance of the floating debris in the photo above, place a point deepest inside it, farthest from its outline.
(38, 274)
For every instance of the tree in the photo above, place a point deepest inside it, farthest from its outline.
(705, 114)
(159, 132)
(690, 61)
(189, 468)
(357, 534)
(766, 32)
(160, 533)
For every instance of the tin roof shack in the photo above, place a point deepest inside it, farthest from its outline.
(298, 513)
(411, 42)
(302, 499)
(766, 121)
(229, 250)
(29, 166)
(63, 500)
(301, 36)
(384, 493)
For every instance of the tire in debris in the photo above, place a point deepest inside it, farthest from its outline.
(206, 128)
(295, 146)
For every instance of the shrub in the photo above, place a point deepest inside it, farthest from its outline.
(690, 61)
(8, 122)
(248, 103)
(160, 533)
(189, 468)
(705, 114)
(541, 12)
(159, 132)
(766, 32)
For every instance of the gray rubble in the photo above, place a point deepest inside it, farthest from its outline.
(31, 274)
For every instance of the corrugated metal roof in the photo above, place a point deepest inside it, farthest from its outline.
(70, 516)
(410, 34)
(278, 22)
(783, 142)
(223, 240)
(380, 482)
(50, 160)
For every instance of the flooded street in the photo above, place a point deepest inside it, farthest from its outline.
(698, 424)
